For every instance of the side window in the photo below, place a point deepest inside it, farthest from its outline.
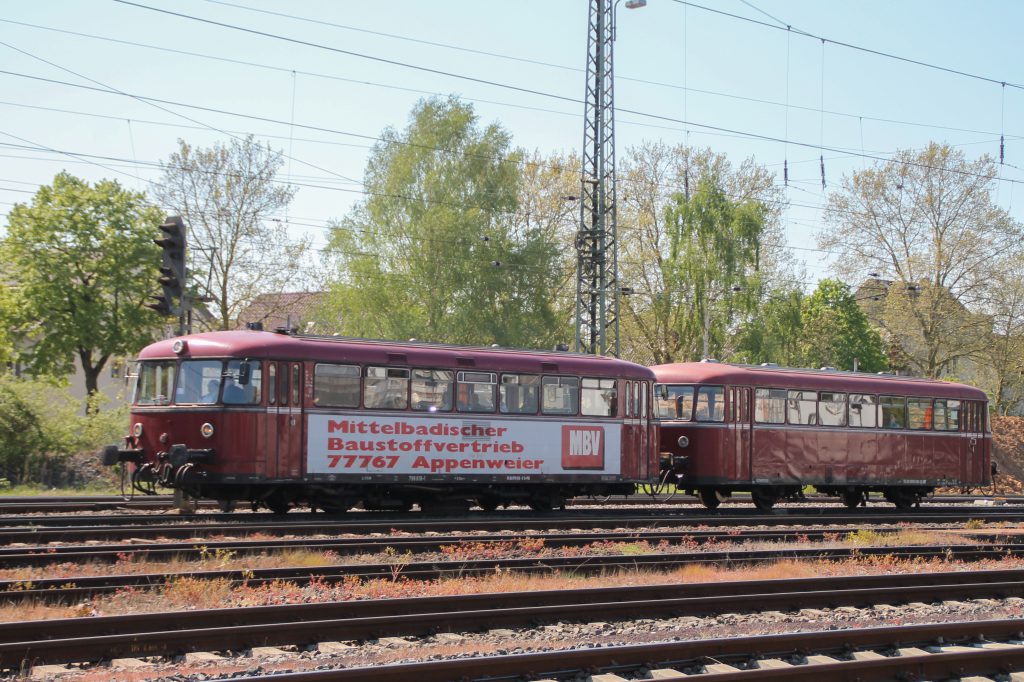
(863, 412)
(802, 407)
(832, 409)
(519, 393)
(598, 397)
(432, 390)
(710, 404)
(336, 385)
(561, 395)
(673, 402)
(953, 412)
(919, 413)
(770, 406)
(476, 391)
(894, 411)
(645, 391)
(386, 388)
(271, 383)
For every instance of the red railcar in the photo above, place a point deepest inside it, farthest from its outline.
(772, 430)
(277, 419)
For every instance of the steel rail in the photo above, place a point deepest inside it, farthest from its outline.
(738, 650)
(71, 588)
(90, 639)
(44, 555)
(31, 531)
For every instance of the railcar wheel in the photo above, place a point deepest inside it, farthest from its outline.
(488, 503)
(900, 499)
(853, 498)
(764, 499)
(710, 497)
(226, 506)
(278, 504)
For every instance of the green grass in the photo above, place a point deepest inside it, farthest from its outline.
(34, 489)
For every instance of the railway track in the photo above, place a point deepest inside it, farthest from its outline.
(69, 588)
(304, 625)
(42, 555)
(43, 530)
(99, 503)
(946, 651)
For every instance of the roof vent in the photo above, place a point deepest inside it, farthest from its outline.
(828, 369)
(561, 348)
(769, 364)
(254, 326)
(708, 360)
(399, 358)
(466, 362)
(549, 366)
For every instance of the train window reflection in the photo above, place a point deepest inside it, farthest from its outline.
(832, 409)
(919, 413)
(155, 383)
(770, 405)
(862, 411)
(432, 390)
(710, 404)
(598, 398)
(802, 407)
(561, 395)
(894, 411)
(519, 393)
(387, 388)
(674, 402)
(336, 385)
(476, 391)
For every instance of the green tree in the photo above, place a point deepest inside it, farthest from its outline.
(926, 220)
(651, 176)
(714, 255)
(773, 333)
(836, 332)
(228, 196)
(83, 262)
(441, 249)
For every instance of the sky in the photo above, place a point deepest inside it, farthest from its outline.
(725, 74)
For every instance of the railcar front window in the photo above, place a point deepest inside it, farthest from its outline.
(387, 388)
(243, 382)
(832, 409)
(155, 383)
(432, 390)
(598, 397)
(894, 411)
(862, 411)
(561, 395)
(674, 402)
(770, 406)
(199, 382)
(519, 393)
(710, 404)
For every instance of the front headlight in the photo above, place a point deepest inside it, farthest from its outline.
(207, 430)
(683, 441)
(137, 430)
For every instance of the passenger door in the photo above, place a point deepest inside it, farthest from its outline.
(268, 451)
(289, 419)
(738, 426)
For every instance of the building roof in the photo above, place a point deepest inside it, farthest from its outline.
(296, 309)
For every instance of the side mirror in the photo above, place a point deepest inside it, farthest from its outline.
(244, 373)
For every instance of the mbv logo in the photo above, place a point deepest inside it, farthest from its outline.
(582, 447)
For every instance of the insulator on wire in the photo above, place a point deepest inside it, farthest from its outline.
(785, 172)
(1002, 149)
(822, 160)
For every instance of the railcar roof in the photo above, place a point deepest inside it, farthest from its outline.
(811, 379)
(262, 344)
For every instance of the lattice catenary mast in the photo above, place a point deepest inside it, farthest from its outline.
(597, 296)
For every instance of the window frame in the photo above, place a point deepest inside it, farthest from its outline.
(701, 388)
(358, 376)
(559, 378)
(461, 380)
(502, 401)
(758, 390)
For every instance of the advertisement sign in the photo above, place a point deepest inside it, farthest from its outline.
(369, 444)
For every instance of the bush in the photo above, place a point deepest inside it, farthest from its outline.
(45, 439)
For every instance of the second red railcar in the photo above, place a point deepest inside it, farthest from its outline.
(771, 431)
